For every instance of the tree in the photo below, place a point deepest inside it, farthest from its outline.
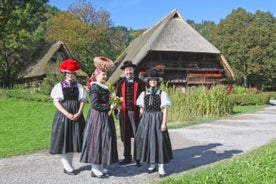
(205, 28)
(19, 34)
(247, 40)
(88, 33)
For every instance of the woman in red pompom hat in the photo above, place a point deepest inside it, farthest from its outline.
(68, 124)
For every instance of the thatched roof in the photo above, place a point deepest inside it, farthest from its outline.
(172, 33)
(41, 67)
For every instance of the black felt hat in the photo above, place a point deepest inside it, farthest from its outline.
(153, 74)
(128, 64)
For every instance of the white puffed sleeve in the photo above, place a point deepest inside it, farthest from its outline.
(82, 92)
(140, 100)
(165, 100)
(56, 93)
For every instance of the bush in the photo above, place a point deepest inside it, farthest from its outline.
(49, 82)
(25, 94)
(239, 90)
(250, 99)
(272, 95)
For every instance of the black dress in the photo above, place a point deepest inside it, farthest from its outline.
(100, 141)
(153, 145)
(67, 135)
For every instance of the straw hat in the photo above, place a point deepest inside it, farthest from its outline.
(104, 63)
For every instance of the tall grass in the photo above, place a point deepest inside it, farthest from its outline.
(198, 103)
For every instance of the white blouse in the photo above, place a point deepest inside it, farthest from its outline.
(165, 100)
(57, 94)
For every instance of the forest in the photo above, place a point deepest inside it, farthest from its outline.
(247, 40)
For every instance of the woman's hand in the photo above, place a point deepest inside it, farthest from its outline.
(163, 127)
(69, 116)
(76, 116)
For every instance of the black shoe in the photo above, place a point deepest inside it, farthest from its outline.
(70, 173)
(138, 164)
(125, 161)
(96, 176)
(152, 170)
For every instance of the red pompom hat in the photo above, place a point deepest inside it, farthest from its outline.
(69, 65)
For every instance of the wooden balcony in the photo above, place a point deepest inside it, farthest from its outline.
(203, 80)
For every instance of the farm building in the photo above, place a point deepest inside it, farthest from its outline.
(173, 46)
(46, 63)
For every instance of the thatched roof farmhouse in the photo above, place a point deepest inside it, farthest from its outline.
(47, 63)
(173, 46)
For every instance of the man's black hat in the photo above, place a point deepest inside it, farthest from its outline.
(128, 64)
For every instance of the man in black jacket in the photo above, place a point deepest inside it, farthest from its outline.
(128, 89)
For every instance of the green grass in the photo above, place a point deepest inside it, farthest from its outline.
(248, 109)
(255, 167)
(24, 126)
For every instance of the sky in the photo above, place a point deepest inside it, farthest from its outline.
(141, 14)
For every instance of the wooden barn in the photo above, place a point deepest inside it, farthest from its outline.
(46, 63)
(176, 48)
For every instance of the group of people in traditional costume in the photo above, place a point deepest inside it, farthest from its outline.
(142, 115)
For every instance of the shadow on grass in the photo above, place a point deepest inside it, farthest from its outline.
(196, 156)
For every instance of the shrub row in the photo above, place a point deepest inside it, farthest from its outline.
(272, 95)
(25, 94)
(250, 99)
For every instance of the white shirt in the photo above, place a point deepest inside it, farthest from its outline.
(57, 94)
(165, 100)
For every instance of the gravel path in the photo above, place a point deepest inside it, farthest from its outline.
(193, 147)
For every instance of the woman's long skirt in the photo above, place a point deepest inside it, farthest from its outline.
(153, 145)
(100, 141)
(67, 135)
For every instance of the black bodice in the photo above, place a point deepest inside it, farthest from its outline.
(155, 106)
(99, 98)
(70, 90)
